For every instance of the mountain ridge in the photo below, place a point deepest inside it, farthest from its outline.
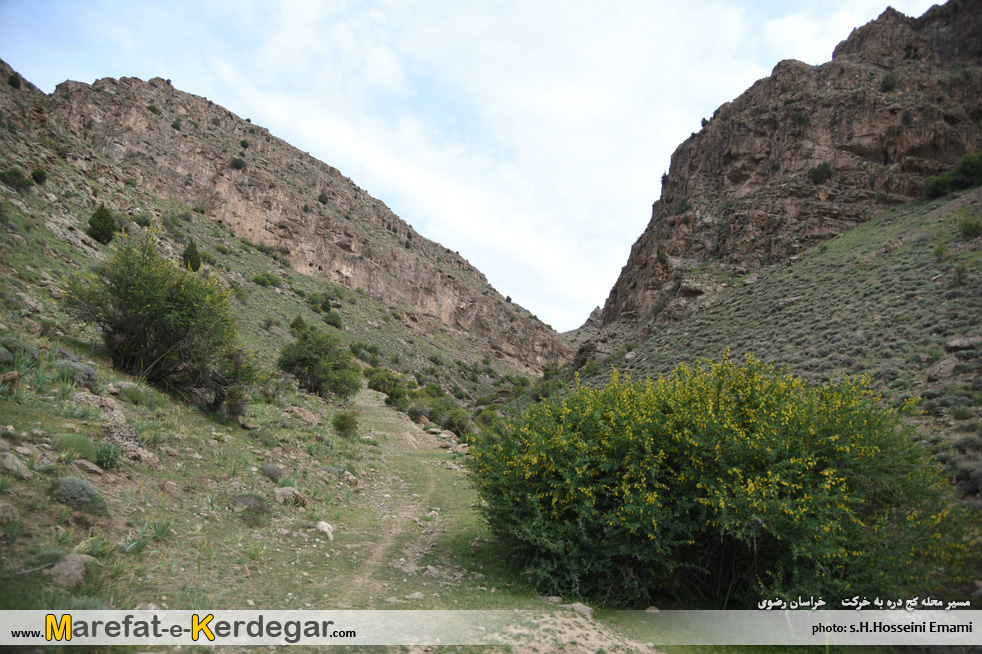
(167, 143)
(803, 155)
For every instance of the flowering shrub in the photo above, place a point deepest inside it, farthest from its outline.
(722, 482)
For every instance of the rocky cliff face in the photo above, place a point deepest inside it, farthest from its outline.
(804, 155)
(170, 144)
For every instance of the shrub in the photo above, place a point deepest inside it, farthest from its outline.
(39, 176)
(108, 455)
(160, 321)
(190, 256)
(800, 118)
(820, 173)
(345, 423)
(267, 279)
(216, 121)
(961, 413)
(970, 228)
(244, 143)
(333, 318)
(238, 163)
(457, 421)
(176, 124)
(14, 80)
(152, 108)
(322, 198)
(966, 174)
(78, 494)
(16, 179)
(889, 83)
(723, 481)
(321, 364)
(298, 325)
(102, 225)
(77, 443)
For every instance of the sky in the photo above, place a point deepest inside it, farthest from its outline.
(528, 135)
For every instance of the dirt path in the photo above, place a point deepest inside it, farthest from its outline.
(416, 502)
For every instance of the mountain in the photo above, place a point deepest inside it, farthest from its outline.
(803, 155)
(141, 142)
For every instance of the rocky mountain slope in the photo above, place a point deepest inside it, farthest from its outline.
(139, 141)
(803, 155)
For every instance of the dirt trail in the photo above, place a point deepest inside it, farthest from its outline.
(416, 494)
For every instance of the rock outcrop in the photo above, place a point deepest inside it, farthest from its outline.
(806, 154)
(164, 143)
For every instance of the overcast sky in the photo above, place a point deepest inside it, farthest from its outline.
(528, 135)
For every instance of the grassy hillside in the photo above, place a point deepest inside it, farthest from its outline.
(882, 300)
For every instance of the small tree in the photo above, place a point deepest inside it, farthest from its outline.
(345, 424)
(190, 256)
(102, 225)
(162, 322)
(320, 364)
(820, 173)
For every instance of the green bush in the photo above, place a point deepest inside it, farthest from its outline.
(385, 381)
(820, 173)
(966, 174)
(889, 83)
(970, 228)
(321, 364)
(176, 124)
(108, 455)
(725, 482)
(333, 318)
(267, 279)
(39, 176)
(345, 424)
(801, 118)
(322, 198)
(77, 443)
(238, 163)
(190, 257)
(14, 80)
(16, 179)
(102, 225)
(160, 321)
(78, 494)
(152, 108)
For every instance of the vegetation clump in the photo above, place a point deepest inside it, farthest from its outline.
(321, 364)
(16, 179)
(345, 424)
(966, 174)
(161, 322)
(727, 482)
(77, 443)
(267, 279)
(820, 173)
(190, 257)
(970, 228)
(102, 225)
(78, 494)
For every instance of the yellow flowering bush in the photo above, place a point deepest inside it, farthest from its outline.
(721, 483)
